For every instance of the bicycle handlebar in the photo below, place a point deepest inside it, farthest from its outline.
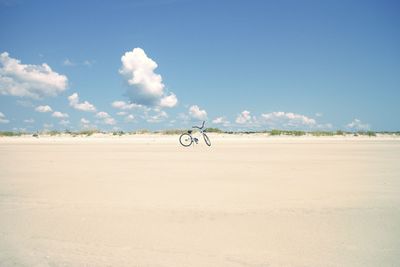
(202, 126)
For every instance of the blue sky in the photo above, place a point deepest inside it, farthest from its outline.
(311, 65)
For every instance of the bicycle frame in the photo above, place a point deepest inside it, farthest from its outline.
(195, 139)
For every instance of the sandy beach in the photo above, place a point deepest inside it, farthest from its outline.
(246, 201)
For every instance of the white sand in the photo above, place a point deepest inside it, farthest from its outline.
(246, 201)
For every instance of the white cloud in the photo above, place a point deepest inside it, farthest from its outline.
(102, 115)
(287, 119)
(84, 106)
(122, 113)
(64, 122)
(221, 121)
(109, 121)
(59, 115)
(3, 118)
(147, 87)
(35, 81)
(158, 117)
(197, 113)
(139, 69)
(125, 106)
(68, 62)
(244, 117)
(356, 124)
(169, 101)
(45, 108)
(84, 121)
(106, 118)
(129, 118)
(279, 120)
(29, 121)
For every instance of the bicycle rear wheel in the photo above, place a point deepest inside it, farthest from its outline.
(206, 139)
(185, 139)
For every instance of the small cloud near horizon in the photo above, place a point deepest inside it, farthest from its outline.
(358, 125)
(83, 106)
(43, 109)
(196, 113)
(3, 118)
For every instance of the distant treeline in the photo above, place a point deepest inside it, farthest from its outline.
(274, 132)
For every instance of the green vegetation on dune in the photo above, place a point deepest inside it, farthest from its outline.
(119, 133)
(141, 131)
(274, 132)
(10, 133)
(368, 133)
(340, 132)
(172, 131)
(87, 132)
(323, 133)
(214, 130)
(53, 133)
(284, 132)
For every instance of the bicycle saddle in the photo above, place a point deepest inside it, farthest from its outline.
(190, 131)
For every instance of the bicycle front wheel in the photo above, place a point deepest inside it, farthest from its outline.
(185, 139)
(206, 139)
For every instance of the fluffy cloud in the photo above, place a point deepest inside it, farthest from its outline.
(221, 121)
(169, 101)
(197, 113)
(29, 121)
(102, 115)
(158, 117)
(244, 117)
(129, 118)
(287, 119)
(106, 118)
(356, 124)
(279, 119)
(84, 121)
(109, 121)
(35, 81)
(125, 106)
(84, 106)
(59, 115)
(3, 118)
(45, 108)
(147, 87)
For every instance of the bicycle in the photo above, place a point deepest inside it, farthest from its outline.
(186, 139)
